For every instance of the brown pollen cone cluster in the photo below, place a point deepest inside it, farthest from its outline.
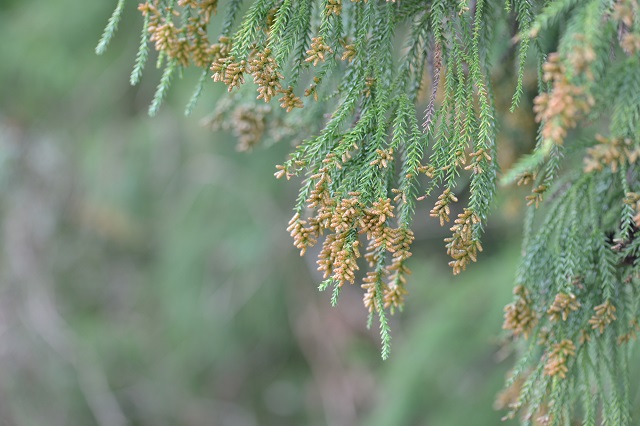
(558, 357)
(463, 246)
(249, 125)
(605, 315)
(349, 52)
(345, 220)
(611, 153)
(289, 100)
(519, 318)
(625, 13)
(562, 306)
(229, 72)
(187, 44)
(441, 209)
(334, 7)
(318, 51)
(265, 74)
(560, 109)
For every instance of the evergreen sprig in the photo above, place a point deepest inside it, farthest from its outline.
(365, 160)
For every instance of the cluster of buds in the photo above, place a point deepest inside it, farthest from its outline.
(581, 57)
(229, 72)
(289, 100)
(349, 52)
(369, 83)
(478, 158)
(373, 223)
(605, 315)
(338, 258)
(313, 88)
(221, 49)
(184, 44)
(519, 318)
(560, 108)
(385, 157)
(344, 219)
(205, 8)
(535, 198)
(371, 283)
(303, 236)
(318, 51)
(265, 74)
(562, 306)
(558, 357)
(625, 13)
(634, 327)
(428, 170)
(262, 67)
(441, 209)
(344, 214)
(508, 397)
(525, 178)
(163, 32)
(333, 7)
(610, 153)
(249, 124)
(462, 246)
(396, 290)
(320, 196)
(630, 43)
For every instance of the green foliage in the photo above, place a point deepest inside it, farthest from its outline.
(365, 163)
(111, 28)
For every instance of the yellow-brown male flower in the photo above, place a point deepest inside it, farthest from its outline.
(303, 237)
(556, 364)
(605, 315)
(249, 125)
(562, 305)
(634, 327)
(334, 7)
(395, 291)
(611, 153)
(265, 75)
(560, 108)
(344, 214)
(318, 50)
(536, 195)
(349, 53)
(441, 208)
(313, 89)
(519, 318)
(289, 101)
(222, 48)
(477, 157)
(462, 246)
(338, 258)
(371, 282)
(229, 72)
(385, 156)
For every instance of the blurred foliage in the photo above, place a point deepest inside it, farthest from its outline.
(147, 278)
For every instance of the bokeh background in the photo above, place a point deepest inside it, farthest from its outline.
(146, 277)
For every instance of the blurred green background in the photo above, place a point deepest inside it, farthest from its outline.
(146, 277)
